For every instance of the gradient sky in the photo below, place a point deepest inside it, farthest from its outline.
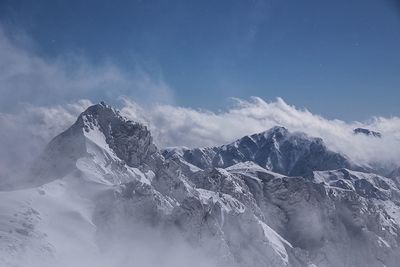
(338, 58)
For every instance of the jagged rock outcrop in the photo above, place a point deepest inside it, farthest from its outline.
(367, 132)
(335, 225)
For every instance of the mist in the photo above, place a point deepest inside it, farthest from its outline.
(136, 244)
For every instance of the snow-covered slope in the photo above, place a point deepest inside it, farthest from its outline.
(100, 181)
(46, 225)
(103, 195)
(334, 225)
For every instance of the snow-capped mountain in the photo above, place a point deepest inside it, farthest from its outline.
(103, 194)
(277, 149)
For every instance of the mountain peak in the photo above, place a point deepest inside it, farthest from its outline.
(131, 141)
(101, 132)
(276, 149)
(96, 108)
(98, 115)
(278, 129)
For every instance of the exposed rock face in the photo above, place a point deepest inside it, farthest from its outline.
(367, 132)
(335, 225)
(131, 141)
(270, 199)
(395, 173)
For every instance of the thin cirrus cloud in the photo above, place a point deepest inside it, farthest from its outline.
(26, 77)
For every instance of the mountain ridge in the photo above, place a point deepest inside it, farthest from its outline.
(276, 149)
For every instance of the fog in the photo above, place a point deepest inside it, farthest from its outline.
(135, 245)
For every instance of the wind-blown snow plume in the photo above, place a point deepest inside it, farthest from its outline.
(27, 77)
(35, 93)
(25, 133)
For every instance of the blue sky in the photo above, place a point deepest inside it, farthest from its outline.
(338, 58)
